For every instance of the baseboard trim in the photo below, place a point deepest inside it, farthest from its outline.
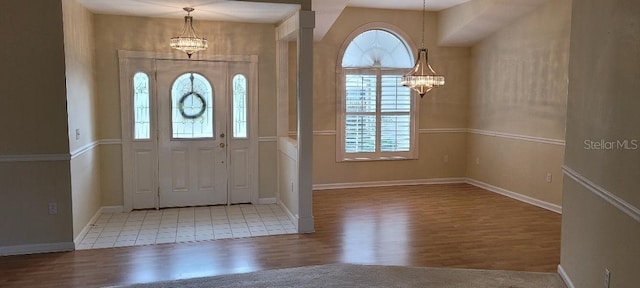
(624, 206)
(565, 277)
(87, 227)
(516, 196)
(36, 248)
(264, 201)
(389, 183)
(286, 210)
(112, 209)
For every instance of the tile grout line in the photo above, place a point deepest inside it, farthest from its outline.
(152, 223)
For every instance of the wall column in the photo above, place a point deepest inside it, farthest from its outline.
(305, 120)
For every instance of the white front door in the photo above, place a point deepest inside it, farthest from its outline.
(188, 142)
(192, 152)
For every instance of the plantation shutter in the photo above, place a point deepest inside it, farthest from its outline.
(360, 120)
(363, 114)
(395, 115)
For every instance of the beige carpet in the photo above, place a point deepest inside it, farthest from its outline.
(350, 275)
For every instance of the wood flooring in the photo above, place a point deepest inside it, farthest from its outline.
(452, 225)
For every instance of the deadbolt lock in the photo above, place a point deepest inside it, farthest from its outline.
(222, 135)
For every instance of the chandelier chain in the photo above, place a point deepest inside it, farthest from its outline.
(422, 78)
(424, 9)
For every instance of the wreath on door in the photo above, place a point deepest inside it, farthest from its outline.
(196, 115)
(196, 95)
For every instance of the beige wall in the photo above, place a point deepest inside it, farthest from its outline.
(519, 86)
(603, 101)
(27, 188)
(517, 166)
(293, 86)
(603, 104)
(152, 34)
(431, 162)
(268, 174)
(442, 108)
(85, 188)
(288, 176)
(111, 175)
(33, 116)
(82, 112)
(33, 121)
(519, 75)
(79, 63)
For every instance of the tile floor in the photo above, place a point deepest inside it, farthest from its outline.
(186, 224)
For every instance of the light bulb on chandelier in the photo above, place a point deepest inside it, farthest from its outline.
(188, 41)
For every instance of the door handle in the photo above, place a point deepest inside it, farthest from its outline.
(222, 145)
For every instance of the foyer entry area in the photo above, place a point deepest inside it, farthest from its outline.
(176, 225)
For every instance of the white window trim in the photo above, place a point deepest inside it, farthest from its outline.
(341, 155)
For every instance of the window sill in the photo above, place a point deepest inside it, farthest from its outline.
(383, 158)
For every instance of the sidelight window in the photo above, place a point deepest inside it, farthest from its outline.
(239, 106)
(141, 107)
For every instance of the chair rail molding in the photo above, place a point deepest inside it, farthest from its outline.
(614, 200)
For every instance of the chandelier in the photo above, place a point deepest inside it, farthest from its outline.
(422, 78)
(188, 41)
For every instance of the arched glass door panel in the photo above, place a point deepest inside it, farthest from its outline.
(192, 107)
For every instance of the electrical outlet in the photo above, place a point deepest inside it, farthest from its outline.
(549, 177)
(78, 134)
(477, 160)
(445, 158)
(607, 278)
(53, 208)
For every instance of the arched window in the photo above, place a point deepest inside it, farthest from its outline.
(141, 107)
(377, 48)
(376, 112)
(192, 107)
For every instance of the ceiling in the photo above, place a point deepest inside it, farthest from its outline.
(240, 11)
(463, 22)
(432, 5)
(219, 10)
